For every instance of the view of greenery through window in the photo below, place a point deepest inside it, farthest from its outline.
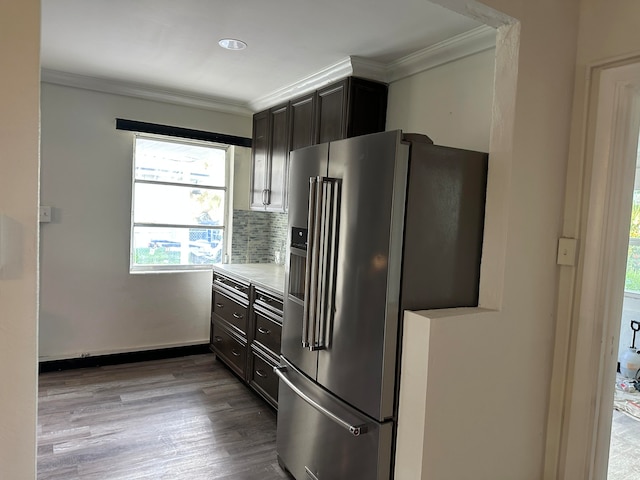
(632, 281)
(179, 198)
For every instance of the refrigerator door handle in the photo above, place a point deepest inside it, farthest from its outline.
(317, 342)
(355, 430)
(319, 295)
(310, 287)
(329, 236)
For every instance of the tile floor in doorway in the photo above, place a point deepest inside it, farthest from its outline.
(624, 456)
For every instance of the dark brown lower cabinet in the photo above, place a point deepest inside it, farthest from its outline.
(231, 348)
(262, 377)
(245, 333)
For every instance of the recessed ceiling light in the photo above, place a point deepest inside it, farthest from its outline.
(232, 44)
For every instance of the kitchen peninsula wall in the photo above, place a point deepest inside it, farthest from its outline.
(257, 236)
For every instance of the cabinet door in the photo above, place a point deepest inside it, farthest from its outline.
(367, 107)
(231, 349)
(303, 111)
(234, 313)
(332, 110)
(279, 156)
(260, 159)
(262, 377)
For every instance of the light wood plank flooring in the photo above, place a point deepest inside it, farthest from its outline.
(185, 418)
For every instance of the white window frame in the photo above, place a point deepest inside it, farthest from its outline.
(145, 269)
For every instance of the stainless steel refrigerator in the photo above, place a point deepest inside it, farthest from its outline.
(378, 224)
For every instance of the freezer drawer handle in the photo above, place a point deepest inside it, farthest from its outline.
(355, 430)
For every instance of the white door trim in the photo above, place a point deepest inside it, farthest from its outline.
(583, 402)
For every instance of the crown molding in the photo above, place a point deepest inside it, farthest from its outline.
(143, 91)
(362, 67)
(468, 43)
(474, 41)
(308, 84)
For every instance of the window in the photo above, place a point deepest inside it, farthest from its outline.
(179, 204)
(632, 280)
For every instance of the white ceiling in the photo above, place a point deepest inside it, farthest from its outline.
(173, 44)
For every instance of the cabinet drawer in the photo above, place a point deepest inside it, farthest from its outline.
(268, 333)
(230, 284)
(230, 350)
(230, 310)
(263, 379)
(269, 301)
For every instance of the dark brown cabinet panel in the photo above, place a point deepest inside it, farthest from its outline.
(230, 348)
(366, 107)
(262, 378)
(347, 108)
(231, 286)
(267, 332)
(351, 107)
(269, 159)
(259, 159)
(279, 153)
(233, 312)
(303, 113)
(246, 327)
(332, 111)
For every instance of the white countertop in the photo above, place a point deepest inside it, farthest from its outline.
(266, 275)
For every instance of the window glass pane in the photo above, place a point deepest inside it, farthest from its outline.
(634, 231)
(176, 246)
(170, 204)
(632, 278)
(165, 161)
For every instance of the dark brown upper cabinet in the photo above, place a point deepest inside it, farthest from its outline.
(259, 158)
(270, 155)
(303, 118)
(347, 108)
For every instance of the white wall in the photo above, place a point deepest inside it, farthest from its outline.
(89, 301)
(608, 37)
(19, 140)
(451, 104)
(480, 378)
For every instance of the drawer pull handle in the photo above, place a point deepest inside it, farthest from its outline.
(218, 339)
(219, 305)
(235, 353)
(237, 315)
(261, 373)
(264, 331)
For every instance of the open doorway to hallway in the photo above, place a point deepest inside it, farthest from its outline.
(624, 461)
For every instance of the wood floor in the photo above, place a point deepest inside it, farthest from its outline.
(185, 418)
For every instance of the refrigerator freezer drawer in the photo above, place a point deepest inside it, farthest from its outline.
(320, 437)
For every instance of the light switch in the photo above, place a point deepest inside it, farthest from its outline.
(45, 214)
(567, 251)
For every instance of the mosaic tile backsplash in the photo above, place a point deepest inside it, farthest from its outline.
(257, 236)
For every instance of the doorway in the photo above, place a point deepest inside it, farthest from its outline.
(606, 192)
(624, 463)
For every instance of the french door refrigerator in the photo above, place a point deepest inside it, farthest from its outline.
(378, 224)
